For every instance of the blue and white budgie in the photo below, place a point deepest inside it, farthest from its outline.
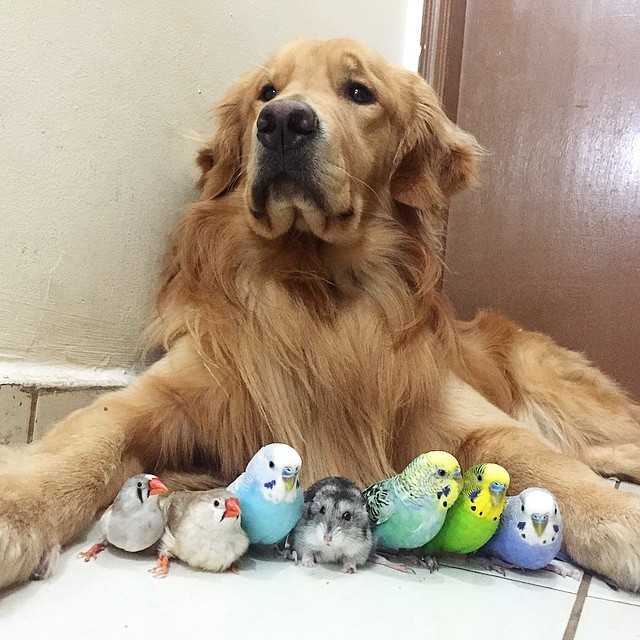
(530, 532)
(270, 494)
(408, 510)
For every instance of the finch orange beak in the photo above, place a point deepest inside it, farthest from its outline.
(156, 486)
(231, 508)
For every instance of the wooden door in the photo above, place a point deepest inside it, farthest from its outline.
(552, 237)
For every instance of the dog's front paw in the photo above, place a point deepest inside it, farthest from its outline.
(602, 533)
(27, 547)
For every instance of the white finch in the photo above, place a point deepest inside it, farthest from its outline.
(134, 521)
(203, 529)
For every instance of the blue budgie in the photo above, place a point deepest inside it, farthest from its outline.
(270, 494)
(529, 535)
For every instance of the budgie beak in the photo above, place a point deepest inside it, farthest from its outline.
(539, 523)
(457, 474)
(289, 475)
(497, 491)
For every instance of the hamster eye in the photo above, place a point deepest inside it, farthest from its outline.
(216, 503)
(139, 485)
(272, 464)
(322, 510)
(442, 473)
(480, 478)
(346, 515)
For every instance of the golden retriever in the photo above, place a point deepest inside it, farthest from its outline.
(300, 303)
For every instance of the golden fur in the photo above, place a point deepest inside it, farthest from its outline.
(323, 326)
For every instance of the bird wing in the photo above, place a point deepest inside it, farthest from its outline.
(175, 507)
(378, 500)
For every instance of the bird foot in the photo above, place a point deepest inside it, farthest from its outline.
(93, 551)
(234, 568)
(161, 570)
(376, 558)
(493, 564)
(564, 570)
(349, 567)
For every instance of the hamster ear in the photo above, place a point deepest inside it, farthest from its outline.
(436, 158)
(220, 160)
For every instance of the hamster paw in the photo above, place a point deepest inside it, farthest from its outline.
(308, 560)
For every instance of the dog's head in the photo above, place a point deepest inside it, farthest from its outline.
(325, 134)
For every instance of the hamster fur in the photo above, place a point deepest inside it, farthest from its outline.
(334, 526)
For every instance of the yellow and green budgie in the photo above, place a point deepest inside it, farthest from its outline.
(475, 515)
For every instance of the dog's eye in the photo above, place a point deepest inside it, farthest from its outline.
(359, 94)
(268, 93)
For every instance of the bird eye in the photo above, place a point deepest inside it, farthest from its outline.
(555, 511)
(523, 507)
(346, 515)
(140, 485)
(216, 503)
(272, 464)
(441, 473)
(358, 93)
(268, 93)
(480, 478)
(322, 510)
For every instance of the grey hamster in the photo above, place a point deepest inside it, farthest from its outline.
(334, 526)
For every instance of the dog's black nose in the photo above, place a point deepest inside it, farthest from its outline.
(286, 124)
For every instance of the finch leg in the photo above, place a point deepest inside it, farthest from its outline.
(376, 558)
(161, 570)
(93, 551)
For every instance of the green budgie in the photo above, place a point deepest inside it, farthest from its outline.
(407, 510)
(475, 516)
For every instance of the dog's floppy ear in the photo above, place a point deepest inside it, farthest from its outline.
(435, 158)
(220, 160)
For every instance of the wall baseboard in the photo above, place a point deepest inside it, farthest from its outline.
(49, 376)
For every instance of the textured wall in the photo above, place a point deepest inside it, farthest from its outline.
(96, 98)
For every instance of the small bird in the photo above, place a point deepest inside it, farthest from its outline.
(474, 517)
(407, 510)
(270, 494)
(203, 530)
(134, 521)
(530, 531)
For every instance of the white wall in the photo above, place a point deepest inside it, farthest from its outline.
(95, 100)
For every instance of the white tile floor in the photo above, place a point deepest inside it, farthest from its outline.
(114, 597)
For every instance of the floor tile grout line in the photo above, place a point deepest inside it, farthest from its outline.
(576, 611)
(514, 578)
(32, 414)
